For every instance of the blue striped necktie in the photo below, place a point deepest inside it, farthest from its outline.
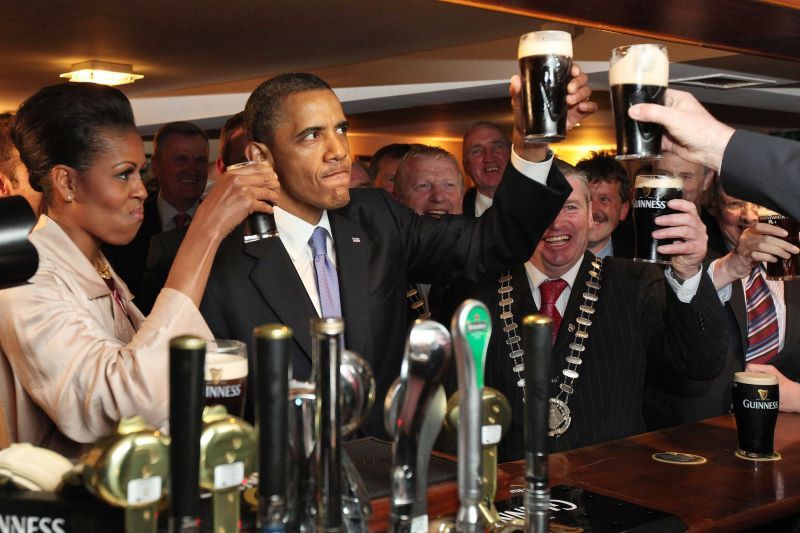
(325, 274)
(763, 340)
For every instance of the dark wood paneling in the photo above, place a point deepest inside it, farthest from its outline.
(746, 26)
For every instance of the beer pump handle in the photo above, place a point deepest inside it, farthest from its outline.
(420, 411)
(327, 340)
(272, 363)
(471, 329)
(537, 333)
(187, 356)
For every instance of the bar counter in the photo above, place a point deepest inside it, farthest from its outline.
(725, 493)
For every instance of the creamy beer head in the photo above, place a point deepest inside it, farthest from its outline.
(539, 43)
(225, 367)
(659, 181)
(639, 64)
(763, 212)
(755, 378)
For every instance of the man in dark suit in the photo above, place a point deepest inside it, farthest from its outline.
(672, 400)
(164, 245)
(637, 316)
(610, 189)
(367, 246)
(752, 166)
(180, 165)
(485, 149)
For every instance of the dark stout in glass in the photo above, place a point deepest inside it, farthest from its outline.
(755, 406)
(638, 75)
(650, 198)
(783, 269)
(226, 381)
(545, 60)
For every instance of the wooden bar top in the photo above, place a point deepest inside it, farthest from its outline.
(725, 493)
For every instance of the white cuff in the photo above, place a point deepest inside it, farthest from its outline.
(536, 171)
(725, 292)
(686, 291)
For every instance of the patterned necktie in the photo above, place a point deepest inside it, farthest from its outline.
(182, 219)
(327, 282)
(762, 319)
(551, 290)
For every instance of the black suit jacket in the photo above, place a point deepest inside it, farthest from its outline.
(129, 260)
(764, 170)
(381, 246)
(468, 202)
(638, 322)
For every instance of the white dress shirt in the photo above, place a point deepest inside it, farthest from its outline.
(482, 203)
(295, 234)
(167, 212)
(685, 292)
(775, 289)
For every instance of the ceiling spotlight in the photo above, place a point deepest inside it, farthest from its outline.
(102, 72)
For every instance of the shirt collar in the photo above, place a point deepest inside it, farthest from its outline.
(296, 232)
(166, 211)
(482, 203)
(607, 250)
(538, 277)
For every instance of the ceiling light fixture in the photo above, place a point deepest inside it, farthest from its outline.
(102, 72)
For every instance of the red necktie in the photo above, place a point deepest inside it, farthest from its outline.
(182, 219)
(551, 290)
(763, 338)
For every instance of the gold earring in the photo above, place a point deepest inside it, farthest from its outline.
(69, 197)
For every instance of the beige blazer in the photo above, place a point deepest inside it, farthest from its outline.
(71, 363)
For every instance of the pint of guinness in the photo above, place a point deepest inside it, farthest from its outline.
(545, 60)
(638, 74)
(755, 405)
(782, 269)
(226, 375)
(650, 198)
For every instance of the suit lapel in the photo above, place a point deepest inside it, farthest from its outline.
(277, 280)
(575, 297)
(739, 307)
(352, 265)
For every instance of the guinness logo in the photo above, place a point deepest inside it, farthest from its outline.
(646, 192)
(216, 375)
(763, 394)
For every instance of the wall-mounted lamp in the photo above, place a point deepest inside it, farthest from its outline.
(102, 72)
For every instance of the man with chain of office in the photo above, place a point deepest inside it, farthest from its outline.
(613, 318)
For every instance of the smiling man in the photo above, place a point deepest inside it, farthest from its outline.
(486, 149)
(352, 252)
(430, 182)
(613, 319)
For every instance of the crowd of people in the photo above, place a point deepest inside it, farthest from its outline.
(401, 239)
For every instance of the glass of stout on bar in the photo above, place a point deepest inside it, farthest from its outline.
(545, 61)
(638, 74)
(226, 375)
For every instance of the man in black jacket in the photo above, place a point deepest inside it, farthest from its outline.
(367, 247)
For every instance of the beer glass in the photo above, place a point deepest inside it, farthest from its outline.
(651, 194)
(257, 225)
(545, 61)
(638, 74)
(755, 406)
(226, 375)
(782, 269)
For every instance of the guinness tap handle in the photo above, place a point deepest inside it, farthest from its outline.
(186, 371)
(471, 329)
(537, 333)
(272, 372)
